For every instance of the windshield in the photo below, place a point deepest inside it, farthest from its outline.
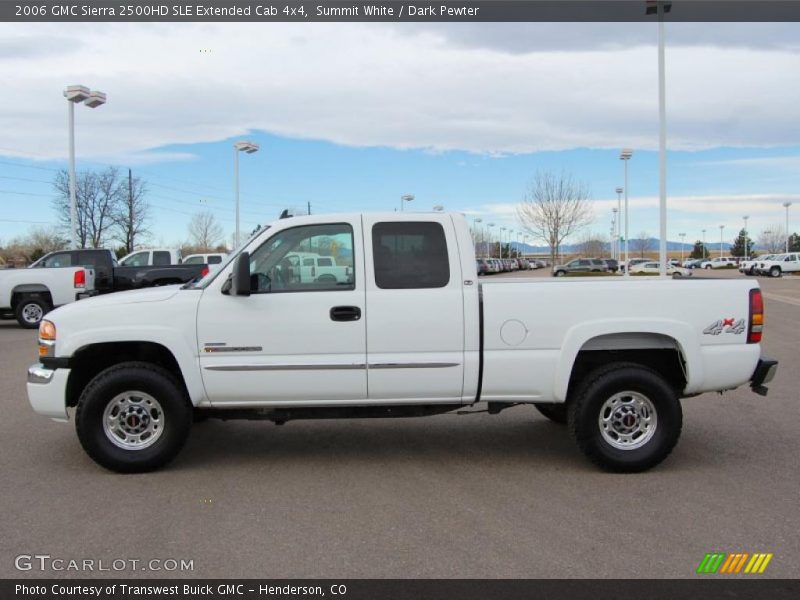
(212, 273)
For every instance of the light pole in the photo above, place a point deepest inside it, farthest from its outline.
(617, 243)
(614, 226)
(500, 243)
(721, 227)
(704, 244)
(249, 148)
(786, 205)
(75, 94)
(662, 144)
(625, 156)
(682, 236)
(405, 198)
(745, 236)
(475, 232)
(489, 225)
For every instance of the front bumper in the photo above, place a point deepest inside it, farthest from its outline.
(764, 373)
(47, 391)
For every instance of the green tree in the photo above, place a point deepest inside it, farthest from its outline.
(738, 248)
(794, 242)
(699, 250)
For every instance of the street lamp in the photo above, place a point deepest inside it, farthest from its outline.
(625, 156)
(786, 205)
(249, 148)
(489, 225)
(614, 225)
(619, 211)
(745, 235)
(704, 244)
(405, 198)
(500, 243)
(721, 227)
(75, 94)
(682, 236)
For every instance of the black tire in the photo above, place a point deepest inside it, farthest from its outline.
(30, 311)
(601, 385)
(775, 272)
(560, 273)
(141, 377)
(677, 275)
(707, 267)
(557, 413)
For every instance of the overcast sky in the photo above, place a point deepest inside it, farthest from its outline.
(460, 115)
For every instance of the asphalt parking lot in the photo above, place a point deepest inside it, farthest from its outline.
(449, 496)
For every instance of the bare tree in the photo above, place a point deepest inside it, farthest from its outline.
(33, 245)
(132, 215)
(97, 196)
(592, 244)
(555, 208)
(773, 239)
(642, 244)
(205, 231)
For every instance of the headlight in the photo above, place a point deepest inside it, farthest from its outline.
(47, 339)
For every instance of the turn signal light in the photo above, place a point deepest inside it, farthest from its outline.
(47, 339)
(80, 279)
(756, 328)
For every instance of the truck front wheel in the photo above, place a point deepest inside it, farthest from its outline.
(625, 417)
(133, 417)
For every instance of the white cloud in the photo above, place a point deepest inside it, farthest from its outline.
(382, 85)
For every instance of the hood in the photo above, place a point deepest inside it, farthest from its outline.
(155, 294)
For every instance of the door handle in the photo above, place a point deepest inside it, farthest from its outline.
(345, 313)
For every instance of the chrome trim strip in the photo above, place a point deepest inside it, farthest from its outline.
(39, 374)
(413, 365)
(330, 367)
(320, 367)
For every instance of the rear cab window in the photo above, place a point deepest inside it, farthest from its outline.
(410, 255)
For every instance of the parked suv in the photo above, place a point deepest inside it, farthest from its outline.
(720, 262)
(581, 265)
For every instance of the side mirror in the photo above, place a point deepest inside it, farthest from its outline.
(240, 276)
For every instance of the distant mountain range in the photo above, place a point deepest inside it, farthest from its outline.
(575, 248)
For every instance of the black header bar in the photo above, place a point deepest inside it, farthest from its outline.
(396, 11)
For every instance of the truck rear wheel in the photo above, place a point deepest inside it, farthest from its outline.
(555, 412)
(133, 418)
(625, 418)
(775, 272)
(30, 311)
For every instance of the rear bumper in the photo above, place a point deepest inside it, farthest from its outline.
(764, 373)
(89, 294)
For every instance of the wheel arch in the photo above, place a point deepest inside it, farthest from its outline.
(38, 290)
(89, 360)
(664, 346)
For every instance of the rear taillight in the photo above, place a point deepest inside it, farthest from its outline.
(756, 327)
(204, 272)
(80, 279)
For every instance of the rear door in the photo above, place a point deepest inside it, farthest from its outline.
(415, 328)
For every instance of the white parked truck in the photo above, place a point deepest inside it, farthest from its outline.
(412, 333)
(777, 265)
(29, 294)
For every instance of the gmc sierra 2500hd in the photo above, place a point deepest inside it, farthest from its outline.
(408, 332)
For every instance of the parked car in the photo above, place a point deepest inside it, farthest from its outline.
(151, 257)
(652, 268)
(719, 262)
(214, 258)
(28, 295)
(581, 265)
(692, 263)
(632, 262)
(137, 367)
(780, 264)
(748, 267)
(111, 277)
(613, 264)
(482, 266)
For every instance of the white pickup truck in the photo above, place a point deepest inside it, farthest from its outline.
(29, 294)
(412, 333)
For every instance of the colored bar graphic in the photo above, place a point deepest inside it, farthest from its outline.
(723, 563)
(711, 562)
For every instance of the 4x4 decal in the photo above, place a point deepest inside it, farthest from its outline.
(725, 326)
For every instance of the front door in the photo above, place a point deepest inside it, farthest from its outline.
(295, 340)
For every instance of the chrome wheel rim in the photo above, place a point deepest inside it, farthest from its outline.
(627, 420)
(133, 420)
(32, 313)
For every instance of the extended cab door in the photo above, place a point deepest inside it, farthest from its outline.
(415, 329)
(293, 341)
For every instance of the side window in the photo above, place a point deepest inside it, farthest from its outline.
(214, 259)
(410, 255)
(139, 259)
(583, 262)
(62, 259)
(194, 260)
(161, 258)
(275, 265)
